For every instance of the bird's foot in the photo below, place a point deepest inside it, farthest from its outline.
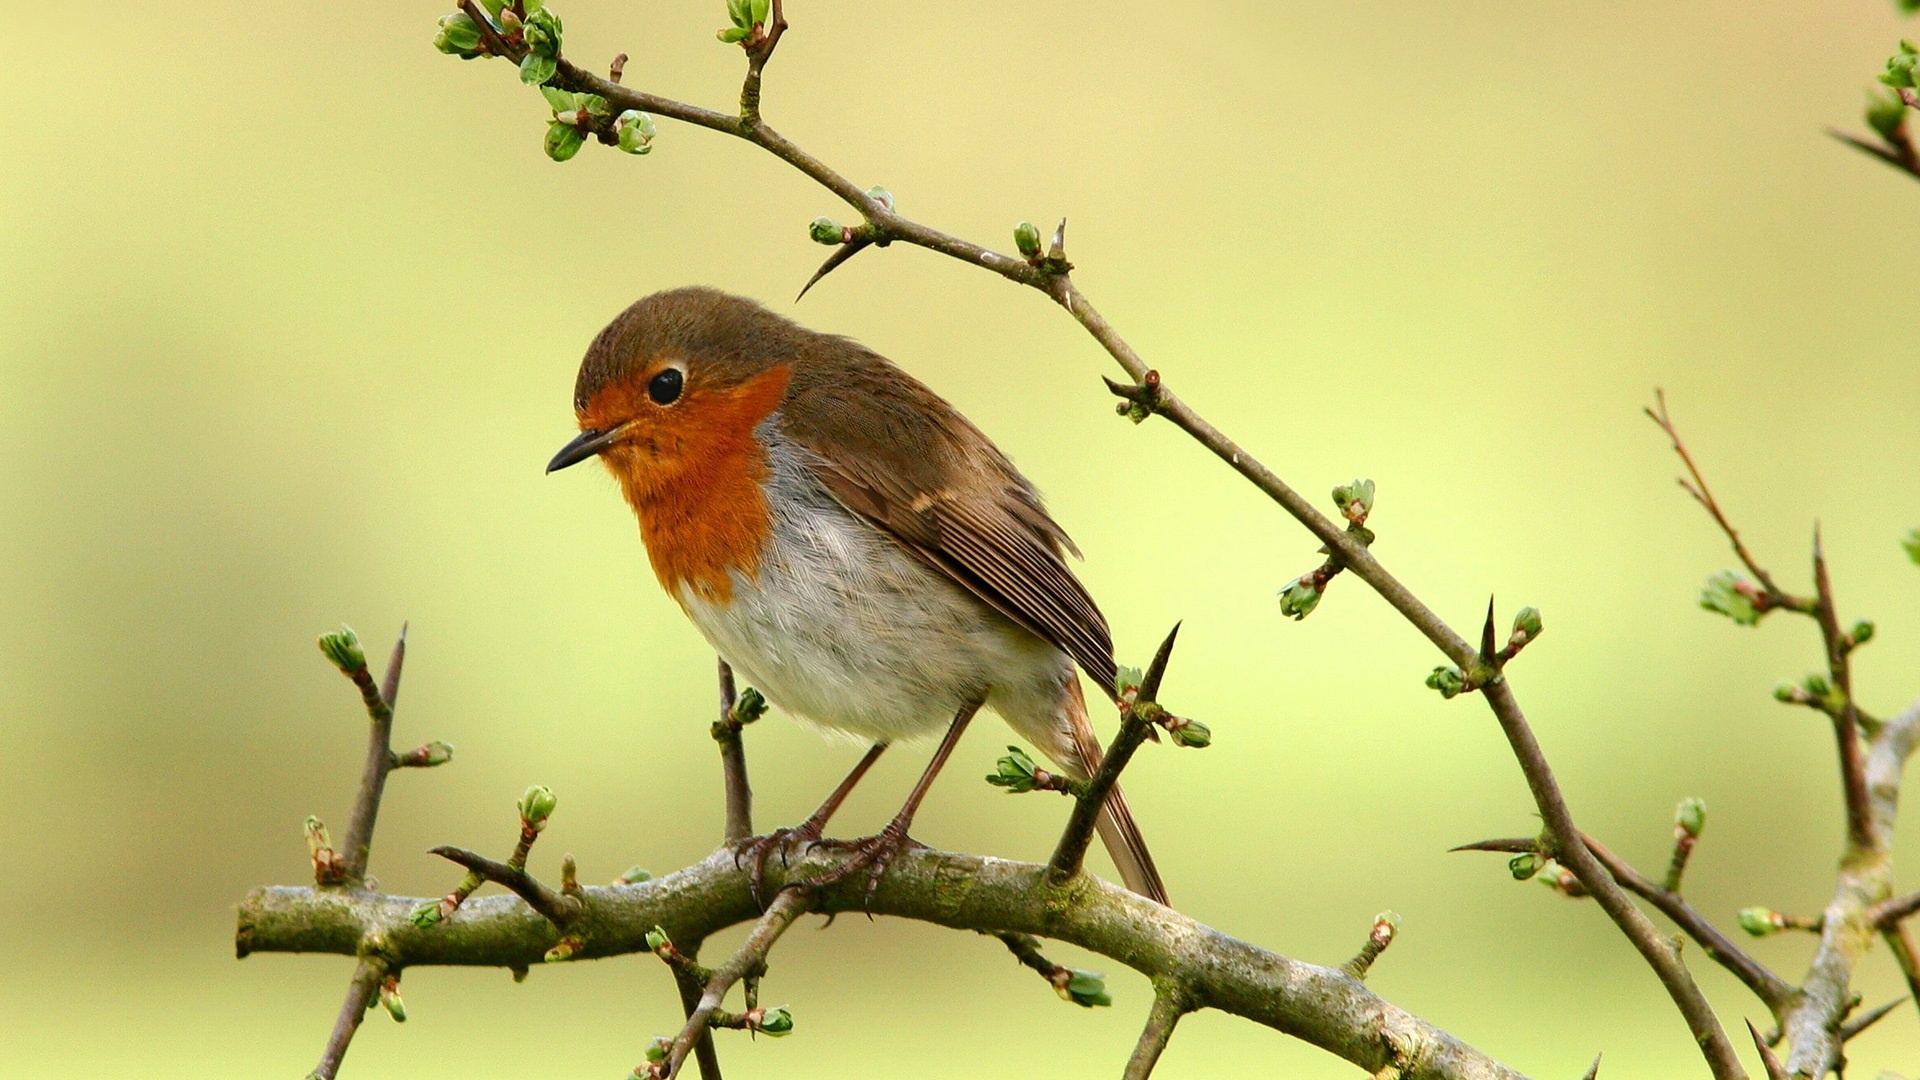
(871, 853)
(754, 851)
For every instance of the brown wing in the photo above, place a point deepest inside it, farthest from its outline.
(899, 456)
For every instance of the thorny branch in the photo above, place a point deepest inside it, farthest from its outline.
(1325, 1006)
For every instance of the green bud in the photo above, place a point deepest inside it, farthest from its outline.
(659, 1048)
(390, 997)
(458, 36)
(1900, 68)
(1690, 816)
(536, 805)
(825, 230)
(318, 839)
(1526, 626)
(509, 20)
(1524, 865)
(1885, 114)
(881, 195)
(426, 755)
(1760, 921)
(776, 1022)
(563, 140)
(343, 648)
(1789, 693)
(1818, 686)
(1730, 594)
(1189, 733)
(1912, 544)
(636, 130)
(751, 705)
(1026, 238)
(1862, 632)
(741, 12)
(657, 938)
(1127, 680)
(1084, 988)
(425, 915)
(734, 33)
(1015, 772)
(1355, 500)
(634, 876)
(1299, 597)
(1450, 681)
(760, 9)
(568, 948)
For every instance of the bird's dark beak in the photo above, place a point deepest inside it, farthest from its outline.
(590, 443)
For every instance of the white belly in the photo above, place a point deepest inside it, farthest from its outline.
(843, 628)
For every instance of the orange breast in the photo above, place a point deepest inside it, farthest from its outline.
(695, 477)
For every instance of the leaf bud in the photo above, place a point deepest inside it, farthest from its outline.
(390, 997)
(424, 915)
(1450, 681)
(825, 230)
(635, 130)
(1733, 596)
(568, 948)
(1026, 238)
(776, 1021)
(633, 876)
(1526, 626)
(657, 939)
(1299, 597)
(1524, 865)
(751, 705)
(1760, 921)
(1189, 733)
(1355, 500)
(882, 196)
(1083, 988)
(1690, 816)
(458, 36)
(1862, 632)
(536, 806)
(343, 648)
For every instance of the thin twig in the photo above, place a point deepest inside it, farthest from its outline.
(373, 775)
(1900, 942)
(1888, 912)
(1169, 1005)
(360, 995)
(1902, 159)
(1702, 494)
(1135, 725)
(733, 761)
(1846, 728)
(557, 908)
(789, 905)
(705, 1053)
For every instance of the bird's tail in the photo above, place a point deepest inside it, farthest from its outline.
(1117, 828)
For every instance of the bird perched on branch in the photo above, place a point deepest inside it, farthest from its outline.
(848, 542)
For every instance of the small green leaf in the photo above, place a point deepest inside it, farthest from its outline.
(1912, 544)
(563, 141)
(1733, 596)
(1085, 988)
(741, 13)
(657, 938)
(425, 915)
(536, 69)
(733, 34)
(1127, 680)
(458, 34)
(759, 10)
(559, 99)
(751, 704)
(534, 6)
(776, 1022)
(1015, 772)
(636, 130)
(1450, 681)
(633, 876)
(1524, 865)
(1690, 816)
(825, 230)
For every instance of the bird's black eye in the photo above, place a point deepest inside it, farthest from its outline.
(664, 388)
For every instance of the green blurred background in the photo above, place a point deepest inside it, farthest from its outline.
(290, 307)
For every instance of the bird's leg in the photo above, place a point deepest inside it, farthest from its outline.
(876, 852)
(758, 847)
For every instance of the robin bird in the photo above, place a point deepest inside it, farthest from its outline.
(855, 548)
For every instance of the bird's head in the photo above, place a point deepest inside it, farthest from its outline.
(674, 387)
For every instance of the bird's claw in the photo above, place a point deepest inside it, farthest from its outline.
(757, 848)
(873, 853)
